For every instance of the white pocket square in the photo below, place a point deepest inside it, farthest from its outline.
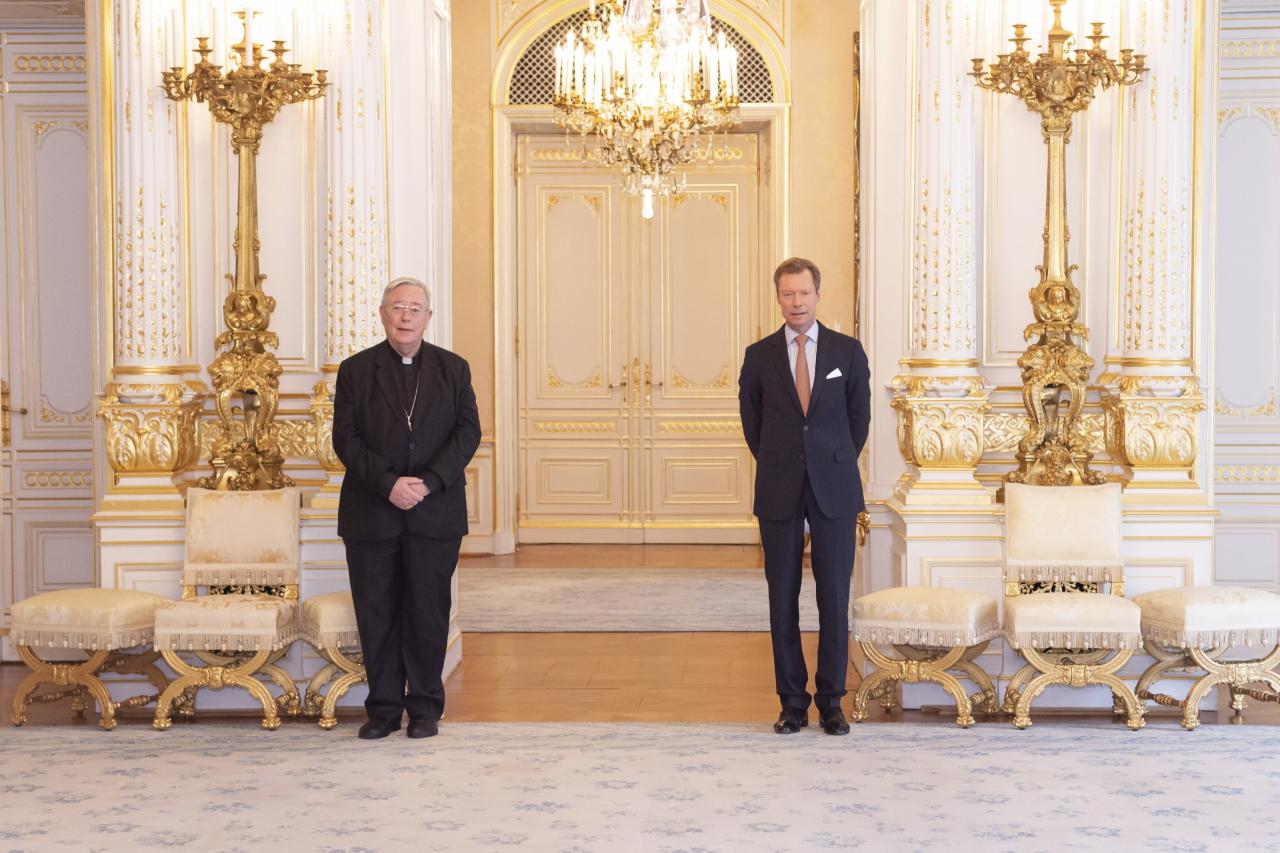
(834, 374)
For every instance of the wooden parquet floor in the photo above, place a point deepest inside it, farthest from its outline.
(610, 677)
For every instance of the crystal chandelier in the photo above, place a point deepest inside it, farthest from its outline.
(648, 79)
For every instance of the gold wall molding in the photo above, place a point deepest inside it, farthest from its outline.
(55, 417)
(40, 128)
(721, 382)
(1249, 49)
(48, 63)
(1266, 409)
(554, 381)
(700, 426)
(1248, 473)
(58, 479)
(574, 426)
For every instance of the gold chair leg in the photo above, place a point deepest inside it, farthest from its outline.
(1122, 693)
(1077, 670)
(288, 702)
(870, 685)
(328, 713)
(1022, 711)
(80, 678)
(313, 695)
(18, 711)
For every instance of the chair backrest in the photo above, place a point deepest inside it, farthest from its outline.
(1062, 537)
(242, 539)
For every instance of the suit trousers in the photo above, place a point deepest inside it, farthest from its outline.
(832, 545)
(402, 595)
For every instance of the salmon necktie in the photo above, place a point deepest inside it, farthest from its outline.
(802, 372)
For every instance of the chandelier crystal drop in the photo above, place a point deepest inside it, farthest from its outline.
(649, 79)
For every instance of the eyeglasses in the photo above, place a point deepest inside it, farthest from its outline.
(403, 308)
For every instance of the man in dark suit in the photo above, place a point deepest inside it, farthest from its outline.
(405, 426)
(805, 398)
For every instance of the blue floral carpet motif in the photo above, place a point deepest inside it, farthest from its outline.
(643, 787)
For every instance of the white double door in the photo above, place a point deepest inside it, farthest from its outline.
(631, 335)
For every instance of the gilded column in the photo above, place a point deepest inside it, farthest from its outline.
(356, 230)
(941, 399)
(149, 407)
(1153, 397)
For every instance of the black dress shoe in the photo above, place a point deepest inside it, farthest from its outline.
(376, 729)
(833, 722)
(790, 721)
(423, 728)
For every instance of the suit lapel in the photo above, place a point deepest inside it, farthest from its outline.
(390, 389)
(782, 361)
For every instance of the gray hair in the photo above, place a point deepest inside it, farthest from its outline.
(409, 280)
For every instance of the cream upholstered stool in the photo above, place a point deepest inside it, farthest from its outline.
(102, 623)
(243, 548)
(934, 630)
(329, 624)
(1062, 551)
(1196, 627)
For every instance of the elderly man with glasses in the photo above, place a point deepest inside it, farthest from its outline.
(405, 425)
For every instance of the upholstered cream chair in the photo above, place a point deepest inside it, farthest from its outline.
(109, 625)
(934, 630)
(329, 625)
(1200, 628)
(242, 547)
(1061, 554)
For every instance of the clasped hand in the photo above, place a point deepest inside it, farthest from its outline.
(408, 492)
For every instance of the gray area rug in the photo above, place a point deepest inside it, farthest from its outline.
(642, 787)
(538, 600)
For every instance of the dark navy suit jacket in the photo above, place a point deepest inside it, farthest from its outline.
(788, 445)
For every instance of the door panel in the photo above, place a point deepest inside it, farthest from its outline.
(632, 333)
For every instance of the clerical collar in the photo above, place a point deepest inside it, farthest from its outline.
(406, 359)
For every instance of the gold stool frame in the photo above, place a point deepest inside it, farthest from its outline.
(1071, 668)
(80, 681)
(1238, 675)
(923, 664)
(226, 670)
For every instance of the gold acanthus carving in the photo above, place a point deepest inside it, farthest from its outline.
(151, 436)
(51, 63)
(1153, 423)
(721, 382)
(573, 426)
(940, 420)
(321, 438)
(700, 426)
(592, 381)
(58, 479)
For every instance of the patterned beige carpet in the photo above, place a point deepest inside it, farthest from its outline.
(611, 599)
(665, 788)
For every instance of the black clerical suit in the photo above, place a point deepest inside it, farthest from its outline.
(401, 562)
(807, 469)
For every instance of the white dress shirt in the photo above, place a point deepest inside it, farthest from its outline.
(810, 350)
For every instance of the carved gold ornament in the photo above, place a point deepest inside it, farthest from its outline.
(1055, 370)
(247, 97)
(150, 429)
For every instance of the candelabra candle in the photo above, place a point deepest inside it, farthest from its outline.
(247, 98)
(1055, 370)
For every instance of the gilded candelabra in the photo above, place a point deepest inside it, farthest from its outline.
(1055, 85)
(247, 97)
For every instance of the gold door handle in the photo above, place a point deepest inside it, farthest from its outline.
(7, 409)
(622, 383)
